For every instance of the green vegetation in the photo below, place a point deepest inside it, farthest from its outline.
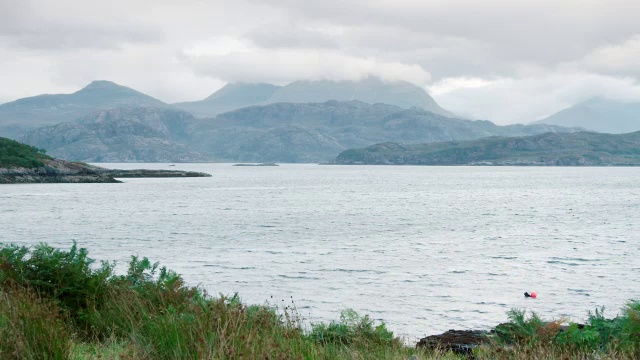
(57, 304)
(618, 337)
(15, 154)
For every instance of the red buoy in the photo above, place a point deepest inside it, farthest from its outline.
(534, 295)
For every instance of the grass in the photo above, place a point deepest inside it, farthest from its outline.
(60, 304)
(15, 154)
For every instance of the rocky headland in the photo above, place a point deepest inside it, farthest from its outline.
(21, 164)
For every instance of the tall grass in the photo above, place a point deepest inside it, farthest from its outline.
(61, 304)
(31, 327)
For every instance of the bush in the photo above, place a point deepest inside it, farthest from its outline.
(353, 329)
(64, 276)
(619, 335)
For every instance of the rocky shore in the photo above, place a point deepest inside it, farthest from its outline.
(60, 171)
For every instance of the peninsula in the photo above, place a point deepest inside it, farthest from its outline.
(21, 163)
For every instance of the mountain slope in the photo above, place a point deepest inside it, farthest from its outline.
(120, 135)
(600, 115)
(559, 149)
(371, 90)
(52, 109)
(230, 97)
(319, 131)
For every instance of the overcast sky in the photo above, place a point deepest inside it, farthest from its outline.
(507, 61)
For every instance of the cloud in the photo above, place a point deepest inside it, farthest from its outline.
(505, 61)
(542, 31)
(621, 58)
(286, 65)
(292, 36)
(529, 97)
(55, 26)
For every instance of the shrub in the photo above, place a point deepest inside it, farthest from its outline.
(619, 335)
(64, 276)
(353, 329)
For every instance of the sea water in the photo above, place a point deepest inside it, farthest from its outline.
(424, 249)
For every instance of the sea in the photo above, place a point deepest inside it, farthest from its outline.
(422, 249)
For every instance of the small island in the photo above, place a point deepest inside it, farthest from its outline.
(24, 164)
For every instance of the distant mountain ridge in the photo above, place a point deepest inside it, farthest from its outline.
(280, 132)
(230, 97)
(599, 114)
(51, 109)
(548, 149)
(370, 90)
(23, 114)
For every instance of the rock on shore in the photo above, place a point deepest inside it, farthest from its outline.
(459, 341)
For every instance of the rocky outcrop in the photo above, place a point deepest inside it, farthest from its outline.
(60, 171)
(458, 341)
(145, 173)
(54, 171)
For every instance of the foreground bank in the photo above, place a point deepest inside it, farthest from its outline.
(22, 164)
(59, 304)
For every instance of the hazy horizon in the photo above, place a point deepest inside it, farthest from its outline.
(509, 63)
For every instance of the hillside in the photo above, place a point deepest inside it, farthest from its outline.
(371, 90)
(601, 115)
(549, 149)
(26, 113)
(282, 132)
(316, 132)
(14, 154)
(120, 135)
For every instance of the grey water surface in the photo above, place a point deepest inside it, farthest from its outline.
(425, 249)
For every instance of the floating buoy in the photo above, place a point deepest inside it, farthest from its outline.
(533, 295)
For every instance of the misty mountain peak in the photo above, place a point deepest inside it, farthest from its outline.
(599, 114)
(101, 84)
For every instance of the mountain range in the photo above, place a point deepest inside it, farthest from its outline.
(548, 149)
(105, 121)
(599, 114)
(370, 90)
(280, 132)
(48, 109)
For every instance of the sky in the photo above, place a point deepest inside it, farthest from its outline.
(510, 61)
